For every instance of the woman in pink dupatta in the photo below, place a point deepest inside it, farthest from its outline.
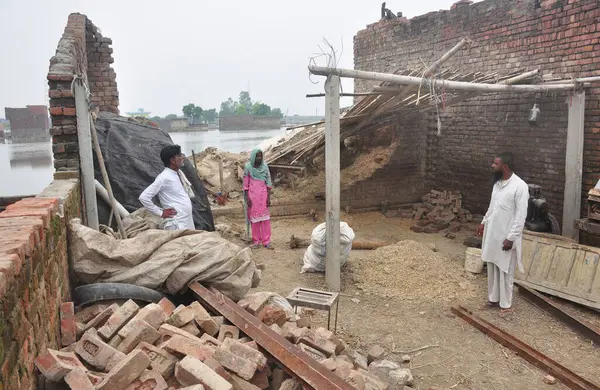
(257, 195)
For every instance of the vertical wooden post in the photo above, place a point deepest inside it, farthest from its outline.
(222, 186)
(332, 182)
(573, 164)
(86, 160)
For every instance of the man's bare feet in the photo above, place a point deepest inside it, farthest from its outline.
(488, 305)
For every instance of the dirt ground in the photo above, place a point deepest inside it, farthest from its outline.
(460, 356)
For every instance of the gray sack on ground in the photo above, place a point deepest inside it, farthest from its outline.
(131, 152)
(163, 260)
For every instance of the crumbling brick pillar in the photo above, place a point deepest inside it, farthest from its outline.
(82, 53)
(69, 60)
(102, 78)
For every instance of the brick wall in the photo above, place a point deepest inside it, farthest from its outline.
(84, 52)
(34, 278)
(559, 38)
(249, 122)
(402, 179)
(102, 78)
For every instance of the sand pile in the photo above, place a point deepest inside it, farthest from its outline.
(409, 270)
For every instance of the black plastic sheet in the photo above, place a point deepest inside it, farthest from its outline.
(132, 158)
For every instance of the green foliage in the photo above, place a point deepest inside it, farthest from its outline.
(171, 116)
(210, 115)
(227, 108)
(245, 106)
(277, 112)
(261, 109)
(193, 113)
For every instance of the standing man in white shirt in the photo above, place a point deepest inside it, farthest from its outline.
(173, 190)
(502, 229)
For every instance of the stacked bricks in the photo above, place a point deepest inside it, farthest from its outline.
(160, 346)
(558, 37)
(81, 51)
(101, 76)
(34, 280)
(63, 67)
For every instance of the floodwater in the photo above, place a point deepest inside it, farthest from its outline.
(26, 169)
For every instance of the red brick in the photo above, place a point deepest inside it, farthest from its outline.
(160, 360)
(56, 111)
(228, 331)
(55, 364)
(126, 371)
(142, 331)
(153, 314)
(191, 371)
(319, 343)
(118, 319)
(182, 346)
(149, 380)
(242, 367)
(101, 318)
(86, 314)
(219, 369)
(95, 351)
(69, 111)
(204, 320)
(167, 306)
(68, 327)
(210, 341)
(181, 316)
(270, 315)
(246, 352)
(77, 379)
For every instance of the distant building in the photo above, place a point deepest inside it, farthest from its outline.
(29, 124)
(180, 124)
(140, 112)
(249, 122)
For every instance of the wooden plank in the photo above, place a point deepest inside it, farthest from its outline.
(573, 164)
(558, 266)
(86, 160)
(332, 182)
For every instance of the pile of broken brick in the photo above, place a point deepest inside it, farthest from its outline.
(163, 347)
(439, 211)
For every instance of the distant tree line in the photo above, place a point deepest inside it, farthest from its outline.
(245, 105)
(195, 114)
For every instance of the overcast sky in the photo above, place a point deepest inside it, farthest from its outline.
(170, 53)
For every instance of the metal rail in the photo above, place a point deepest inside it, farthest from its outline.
(291, 357)
(580, 326)
(566, 376)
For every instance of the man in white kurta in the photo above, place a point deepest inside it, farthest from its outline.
(173, 192)
(502, 229)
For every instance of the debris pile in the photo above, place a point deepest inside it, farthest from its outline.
(160, 346)
(439, 210)
(208, 162)
(380, 271)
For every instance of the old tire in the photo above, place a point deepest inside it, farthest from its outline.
(91, 293)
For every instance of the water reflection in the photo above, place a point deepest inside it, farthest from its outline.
(26, 168)
(231, 141)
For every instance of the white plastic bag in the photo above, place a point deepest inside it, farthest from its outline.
(314, 257)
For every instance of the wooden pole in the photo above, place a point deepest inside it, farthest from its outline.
(221, 176)
(439, 83)
(86, 159)
(573, 164)
(431, 70)
(332, 182)
(106, 179)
